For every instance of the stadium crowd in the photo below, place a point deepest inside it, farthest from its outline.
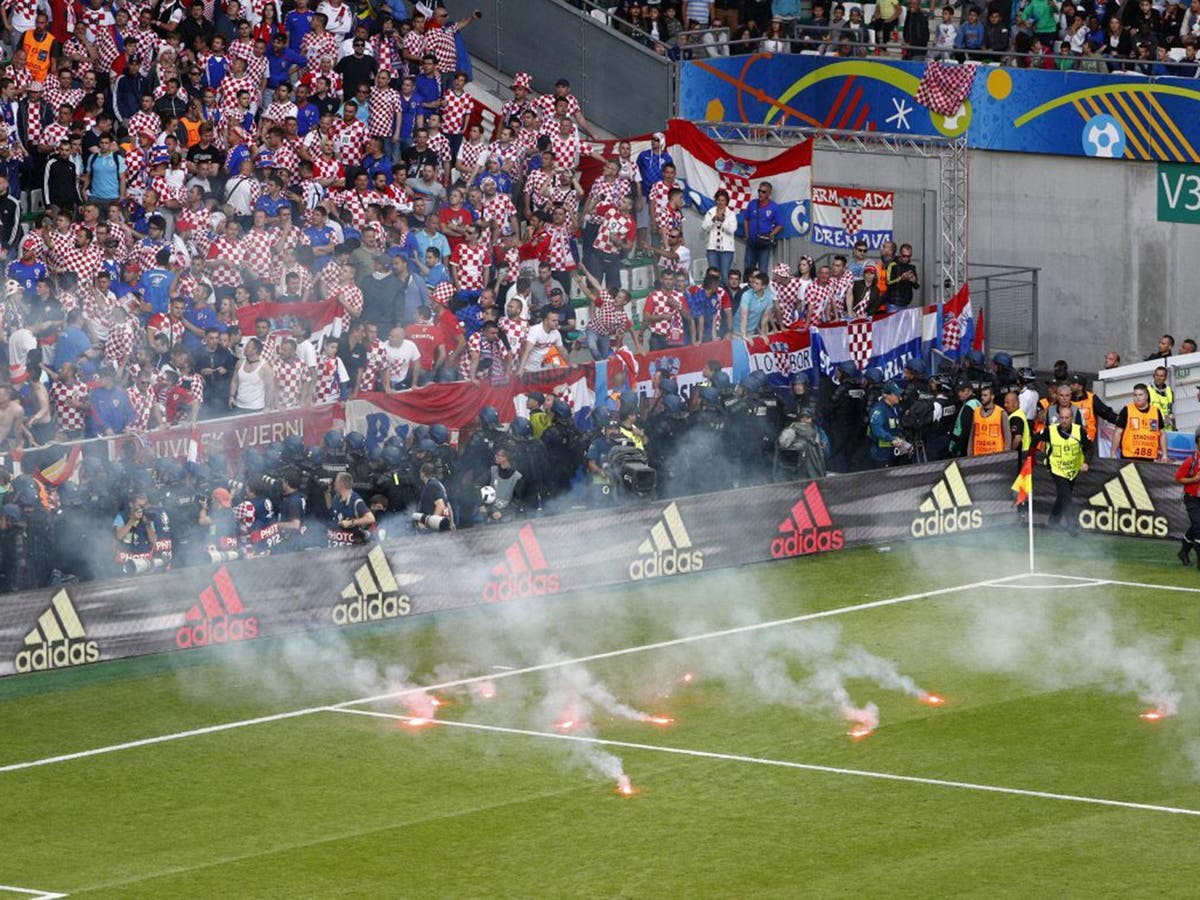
(184, 163)
(1152, 37)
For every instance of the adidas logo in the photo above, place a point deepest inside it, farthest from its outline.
(808, 529)
(58, 641)
(1124, 507)
(374, 594)
(946, 509)
(218, 618)
(521, 573)
(668, 549)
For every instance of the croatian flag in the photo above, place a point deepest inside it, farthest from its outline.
(884, 341)
(324, 316)
(705, 167)
(844, 216)
(956, 331)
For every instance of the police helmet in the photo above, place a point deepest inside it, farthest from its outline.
(355, 442)
(420, 433)
(1003, 360)
(754, 382)
(601, 416)
(489, 417)
(520, 427)
(333, 441)
(392, 456)
(672, 403)
(439, 434)
(561, 411)
(315, 456)
(709, 396)
(395, 440)
(252, 461)
(426, 445)
(272, 455)
(848, 369)
(293, 448)
(916, 365)
(975, 357)
(720, 381)
(875, 375)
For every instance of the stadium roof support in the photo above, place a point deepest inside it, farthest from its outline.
(951, 154)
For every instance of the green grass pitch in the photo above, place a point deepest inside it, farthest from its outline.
(1013, 787)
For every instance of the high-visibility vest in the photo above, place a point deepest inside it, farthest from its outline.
(1026, 434)
(987, 432)
(1139, 440)
(191, 128)
(1164, 401)
(37, 54)
(1089, 413)
(1066, 453)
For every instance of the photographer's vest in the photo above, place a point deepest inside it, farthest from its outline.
(1164, 401)
(1089, 413)
(987, 432)
(1142, 429)
(1026, 435)
(1066, 453)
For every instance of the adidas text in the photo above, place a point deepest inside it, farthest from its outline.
(372, 609)
(804, 542)
(1127, 521)
(527, 584)
(58, 655)
(947, 522)
(217, 631)
(671, 562)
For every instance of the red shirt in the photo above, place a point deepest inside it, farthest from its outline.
(1188, 469)
(460, 216)
(427, 338)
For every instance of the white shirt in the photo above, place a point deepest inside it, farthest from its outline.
(20, 344)
(525, 300)
(1028, 398)
(400, 358)
(541, 341)
(341, 19)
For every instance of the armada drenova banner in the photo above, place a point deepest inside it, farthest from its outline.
(411, 575)
(1067, 113)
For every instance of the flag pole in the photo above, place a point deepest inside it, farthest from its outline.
(1029, 516)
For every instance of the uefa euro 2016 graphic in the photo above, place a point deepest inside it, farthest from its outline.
(1022, 110)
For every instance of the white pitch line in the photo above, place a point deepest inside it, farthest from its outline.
(492, 676)
(1089, 583)
(37, 895)
(1138, 584)
(781, 763)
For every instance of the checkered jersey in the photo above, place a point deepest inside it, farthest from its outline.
(469, 156)
(843, 295)
(440, 145)
(350, 298)
(142, 122)
(55, 134)
(279, 275)
(945, 86)
(382, 110)
(147, 45)
(287, 157)
(507, 262)
(146, 251)
(290, 378)
(818, 303)
(567, 150)
(544, 105)
(615, 230)
(560, 256)
(605, 193)
(278, 112)
(21, 13)
(414, 43)
(469, 263)
(241, 49)
(118, 345)
(224, 256)
(440, 42)
(57, 96)
(349, 141)
(228, 91)
(387, 54)
(788, 300)
(161, 323)
(493, 350)
(84, 263)
(316, 47)
(256, 244)
(516, 330)
(142, 403)
(328, 384)
(107, 49)
(498, 209)
(662, 303)
(660, 200)
(329, 278)
(608, 319)
(61, 396)
(35, 123)
(354, 205)
(456, 110)
(376, 365)
(167, 191)
(77, 52)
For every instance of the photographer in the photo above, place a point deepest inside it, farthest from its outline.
(351, 522)
(292, 507)
(434, 501)
(134, 538)
(504, 481)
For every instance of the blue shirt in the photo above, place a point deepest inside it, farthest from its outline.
(105, 172)
(72, 344)
(214, 71)
(437, 274)
(437, 240)
(319, 237)
(503, 182)
(380, 166)
(27, 275)
(427, 90)
(297, 25)
(111, 411)
(410, 108)
(272, 205)
(761, 219)
(884, 426)
(307, 117)
(155, 285)
(204, 317)
(472, 318)
(650, 165)
(755, 306)
(279, 63)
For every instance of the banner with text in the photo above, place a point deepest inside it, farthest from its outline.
(844, 216)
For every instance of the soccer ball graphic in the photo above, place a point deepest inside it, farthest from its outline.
(1104, 137)
(487, 494)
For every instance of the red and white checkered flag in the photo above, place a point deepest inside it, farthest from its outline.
(858, 334)
(945, 86)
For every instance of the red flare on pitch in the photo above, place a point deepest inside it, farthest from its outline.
(416, 722)
(858, 732)
(486, 690)
(661, 720)
(624, 787)
(688, 678)
(932, 700)
(1154, 715)
(565, 724)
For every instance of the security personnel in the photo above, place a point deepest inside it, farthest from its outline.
(1188, 475)
(1066, 436)
(886, 445)
(1140, 430)
(1163, 397)
(977, 371)
(1020, 434)
(960, 434)
(1091, 405)
(989, 425)
(847, 410)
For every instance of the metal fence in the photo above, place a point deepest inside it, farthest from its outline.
(623, 85)
(1007, 297)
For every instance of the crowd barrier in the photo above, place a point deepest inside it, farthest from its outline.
(416, 575)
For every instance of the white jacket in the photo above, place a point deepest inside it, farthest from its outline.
(720, 237)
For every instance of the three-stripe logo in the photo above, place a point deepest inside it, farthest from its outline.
(948, 508)
(808, 528)
(523, 573)
(218, 617)
(57, 641)
(668, 550)
(1124, 506)
(373, 595)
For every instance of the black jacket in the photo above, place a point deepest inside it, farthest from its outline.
(60, 184)
(10, 222)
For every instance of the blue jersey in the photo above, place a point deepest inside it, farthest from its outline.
(155, 285)
(27, 275)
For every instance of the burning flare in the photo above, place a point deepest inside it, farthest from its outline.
(485, 690)
(932, 699)
(659, 720)
(624, 786)
(687, 678)
(1154, 715)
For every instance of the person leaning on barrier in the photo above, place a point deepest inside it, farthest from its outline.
(1188, 475)
(1141, 431)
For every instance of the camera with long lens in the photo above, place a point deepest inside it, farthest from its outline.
(216, 556)
(140, 566)
(431, 522)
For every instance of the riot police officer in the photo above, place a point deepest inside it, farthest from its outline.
(886, 444)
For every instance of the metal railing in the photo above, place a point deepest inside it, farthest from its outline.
(1007, 298)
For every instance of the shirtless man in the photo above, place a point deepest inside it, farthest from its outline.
(13, 432)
